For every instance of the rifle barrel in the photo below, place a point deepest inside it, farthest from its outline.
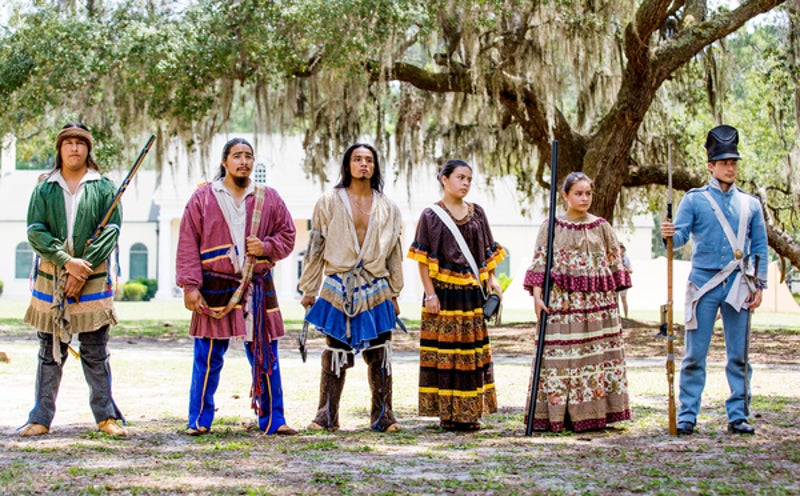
(122, 187)
(537, 368)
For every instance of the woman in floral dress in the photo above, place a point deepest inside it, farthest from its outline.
(583, 384)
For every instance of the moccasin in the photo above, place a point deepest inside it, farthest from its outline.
(191, 431)
(313, 426)
(285, 430)
(110, 427)
(29, 430)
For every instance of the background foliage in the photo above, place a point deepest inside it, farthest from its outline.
(623, 85)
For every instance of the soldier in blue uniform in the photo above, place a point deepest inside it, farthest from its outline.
(727, 228)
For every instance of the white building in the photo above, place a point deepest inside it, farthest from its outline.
(152, 212)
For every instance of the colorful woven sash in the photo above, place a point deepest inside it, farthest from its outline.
(247, 272)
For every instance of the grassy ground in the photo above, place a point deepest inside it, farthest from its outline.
(151, 360)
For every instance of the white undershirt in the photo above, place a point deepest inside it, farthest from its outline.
(71, 200)
(235, 217)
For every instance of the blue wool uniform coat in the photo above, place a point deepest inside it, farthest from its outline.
(712, 251)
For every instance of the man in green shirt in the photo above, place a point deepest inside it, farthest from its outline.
(72, 291)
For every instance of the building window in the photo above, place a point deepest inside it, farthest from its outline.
(138, 261)
(260, 174)
(23, 261)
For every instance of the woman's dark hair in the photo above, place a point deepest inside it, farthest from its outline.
(375, 182)
(449, 167)
(90, 162)
(226, 150)
(573, 178)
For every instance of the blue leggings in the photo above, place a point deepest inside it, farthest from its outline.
(271, 398)
(208, 359)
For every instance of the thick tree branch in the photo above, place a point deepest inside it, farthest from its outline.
(784, 245)
(689, 42)
(649, 16)
(682, 179)
(522, 102)
(518, 97)
(457, 80)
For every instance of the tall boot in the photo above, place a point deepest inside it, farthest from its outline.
(380, 384)
(330, 390)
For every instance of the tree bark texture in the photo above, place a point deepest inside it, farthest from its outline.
(604, 153)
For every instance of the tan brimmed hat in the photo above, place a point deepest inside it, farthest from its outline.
(74, 132)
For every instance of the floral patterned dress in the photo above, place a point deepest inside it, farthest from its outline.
(583, 383)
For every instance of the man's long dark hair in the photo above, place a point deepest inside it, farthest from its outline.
(226, 150)
(375, 182)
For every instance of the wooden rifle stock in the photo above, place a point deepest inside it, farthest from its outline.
(537, 364)
(671, 411)
(122, 187)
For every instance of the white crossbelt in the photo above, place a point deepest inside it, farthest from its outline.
(742, 286)
(462, 243)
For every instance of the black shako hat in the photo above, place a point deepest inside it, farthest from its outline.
(722, 142)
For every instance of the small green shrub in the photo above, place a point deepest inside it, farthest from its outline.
(152, 287)
(134, 291)
(504, 280)
(1, 287)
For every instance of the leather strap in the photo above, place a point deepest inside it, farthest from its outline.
(462, 244)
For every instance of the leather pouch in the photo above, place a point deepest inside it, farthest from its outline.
(491, 306)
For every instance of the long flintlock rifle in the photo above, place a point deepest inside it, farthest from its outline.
(673, 425)
(107, 216)
(551, 226)
(122, 187)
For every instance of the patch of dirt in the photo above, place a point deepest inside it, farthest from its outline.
(635, 457)
(767, 346)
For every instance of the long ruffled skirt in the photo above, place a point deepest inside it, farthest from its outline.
(583, 383)
(456, 379)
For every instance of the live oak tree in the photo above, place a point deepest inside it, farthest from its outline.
(616, 82)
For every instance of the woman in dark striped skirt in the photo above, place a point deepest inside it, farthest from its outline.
(456, 381)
